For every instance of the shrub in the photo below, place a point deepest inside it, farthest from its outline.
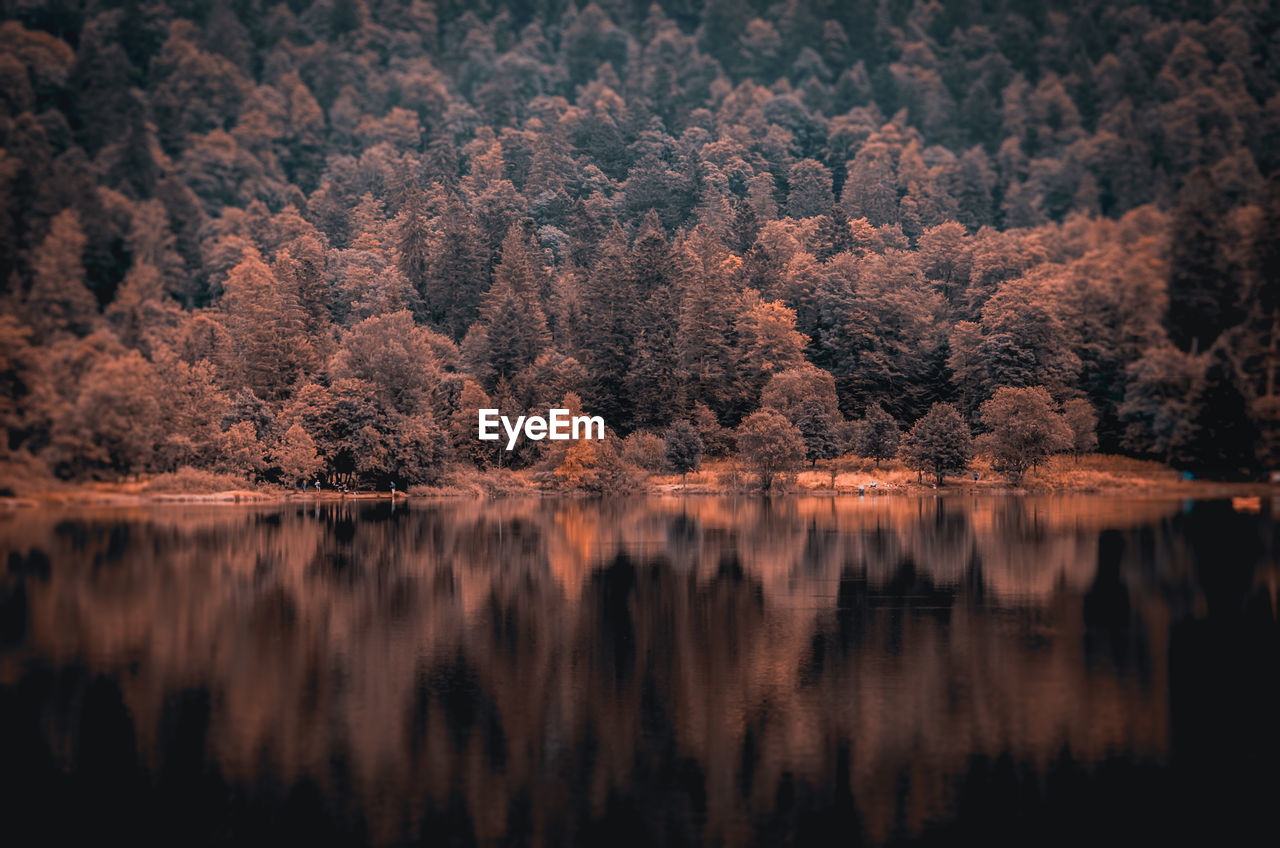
(597, 466)
(193, 481)
(645, 450)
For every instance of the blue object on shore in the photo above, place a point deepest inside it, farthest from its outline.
(1187, 475)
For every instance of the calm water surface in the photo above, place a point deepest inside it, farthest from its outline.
(651, 671)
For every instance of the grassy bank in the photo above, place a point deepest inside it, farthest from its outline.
(1091, 474)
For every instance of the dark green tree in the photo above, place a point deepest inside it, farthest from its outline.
(877, 434)
(609, 307)
(833, 234)
(684, 447)
(745, 229)
(513, 323)
(413, 238)
(820, 430)
(1204, 281)
(1221, 439)
(939, 443)
(458, 270)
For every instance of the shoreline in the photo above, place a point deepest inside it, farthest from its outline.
(1093, 474)
(103, 497)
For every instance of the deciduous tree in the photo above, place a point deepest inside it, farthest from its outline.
(877, 434)
(939, 443)
(296, 455)
(1083, 421)
(821, 431)
(684, 447)
(770, 445)
(1022, 430)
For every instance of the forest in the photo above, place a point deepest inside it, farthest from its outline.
(314, 237)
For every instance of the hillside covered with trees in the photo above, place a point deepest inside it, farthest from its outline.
(281, 239)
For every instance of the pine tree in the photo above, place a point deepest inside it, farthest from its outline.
(21, 382)
(707, 332)
(59, 301)
(810, 189)
(1204, 284)
(458, 270)
(304, 277)
(833, 234)
(516, 327)
(745, 228)
(413, 256)
(464, 434)
(267, 326)
(1264, 324)
(654, 384)
(193, 407)
(769, 344)
(609, 306)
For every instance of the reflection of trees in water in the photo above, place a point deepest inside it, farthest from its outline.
(675, 669)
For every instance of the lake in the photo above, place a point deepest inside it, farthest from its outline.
(649, 671)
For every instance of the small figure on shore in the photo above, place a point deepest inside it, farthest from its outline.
(975, 476)
(304, 487)
(860, 490)
(317, 484)
(393, 490)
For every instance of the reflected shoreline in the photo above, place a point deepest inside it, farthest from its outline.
(700, 670)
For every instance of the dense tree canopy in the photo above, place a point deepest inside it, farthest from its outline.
(342, 226)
